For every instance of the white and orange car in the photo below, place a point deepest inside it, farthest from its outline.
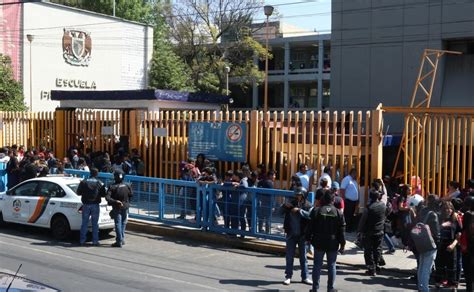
(49, 202)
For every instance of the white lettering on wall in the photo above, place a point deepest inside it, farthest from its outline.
(45, 95)
(75, 83)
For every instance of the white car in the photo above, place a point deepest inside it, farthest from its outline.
(50, 202)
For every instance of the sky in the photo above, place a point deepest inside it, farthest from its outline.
(309, 15)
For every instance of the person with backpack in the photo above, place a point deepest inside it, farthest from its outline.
(467, 241)
(428, 219)
(91, 190)
(295, 225)
(326, 232)
(450, 232)
(118, 196)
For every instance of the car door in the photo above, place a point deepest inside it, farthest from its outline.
(18, 202)
(44, 203)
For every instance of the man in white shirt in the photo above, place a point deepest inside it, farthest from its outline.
(304, 174)
(4, 158)
(350, 193)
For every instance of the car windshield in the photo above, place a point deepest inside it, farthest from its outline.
(73, 187)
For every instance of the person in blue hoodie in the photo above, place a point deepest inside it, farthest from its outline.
(294, 224)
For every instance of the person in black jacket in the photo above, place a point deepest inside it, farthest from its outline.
(13, 170)
(371, 226)
(118, 196)
(468, 231)
(426, 259)
(91, 190)
(295, 225)
(326, 233)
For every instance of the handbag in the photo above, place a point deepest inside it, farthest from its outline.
(421, 235)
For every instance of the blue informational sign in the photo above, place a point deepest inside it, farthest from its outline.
(225, 141)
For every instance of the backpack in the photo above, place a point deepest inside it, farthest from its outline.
(422, 237)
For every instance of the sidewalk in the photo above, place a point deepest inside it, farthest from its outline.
(400, 262)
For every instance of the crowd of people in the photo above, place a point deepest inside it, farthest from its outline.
(23, 164)
(439, 230)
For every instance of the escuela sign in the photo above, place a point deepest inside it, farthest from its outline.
(225, 141)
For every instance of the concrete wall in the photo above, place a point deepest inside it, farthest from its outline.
(376, 48)
(120, 54)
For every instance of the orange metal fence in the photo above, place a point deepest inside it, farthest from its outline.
(439, 146)
(279, 140)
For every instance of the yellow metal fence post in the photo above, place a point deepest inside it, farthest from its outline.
(377, 143)
(253, 150)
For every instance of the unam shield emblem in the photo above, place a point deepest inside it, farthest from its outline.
(77, 46)
(17, 205)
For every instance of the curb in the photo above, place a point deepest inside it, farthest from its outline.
(251, 244)
(206, 237)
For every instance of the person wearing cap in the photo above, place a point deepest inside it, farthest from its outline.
(294, 225)
(118, 196)
(326, 176)
(338, 201)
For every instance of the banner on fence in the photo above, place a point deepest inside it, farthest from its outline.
(223, 141)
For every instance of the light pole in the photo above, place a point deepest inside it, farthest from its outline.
(227, 70)
(30, 38)
(268, 10)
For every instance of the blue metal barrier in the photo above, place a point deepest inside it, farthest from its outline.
(216, 208)
(3, 177)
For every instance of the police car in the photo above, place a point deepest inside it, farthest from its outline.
(50, 202)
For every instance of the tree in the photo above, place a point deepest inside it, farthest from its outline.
(11, 95)
(211, 36)
(134, 10)
(168, 71)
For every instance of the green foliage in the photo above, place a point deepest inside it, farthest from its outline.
(11, 96)
(209, 36)
(167, 70)
(134, 10)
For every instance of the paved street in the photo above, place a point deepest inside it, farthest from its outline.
(150, 263)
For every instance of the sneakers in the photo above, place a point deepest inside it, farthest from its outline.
(392, 251)
(116, 244)
(307, 281)
(287, 281)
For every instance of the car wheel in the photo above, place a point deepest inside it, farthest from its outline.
(2, 222)
(60, 227)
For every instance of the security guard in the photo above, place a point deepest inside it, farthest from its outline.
(118, 196)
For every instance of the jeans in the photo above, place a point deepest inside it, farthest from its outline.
(331, 257)
(121, 216)
(388, 242)
(425, 264)
(291, 243)
(90, 211)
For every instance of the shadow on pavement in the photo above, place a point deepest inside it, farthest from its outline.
(249, 283)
